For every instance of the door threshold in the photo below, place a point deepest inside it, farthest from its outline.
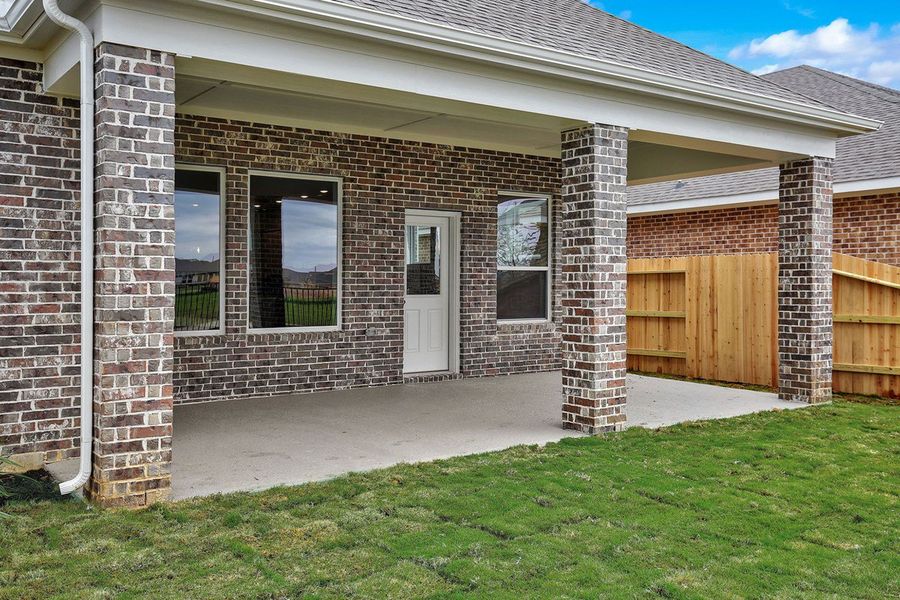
(430, 376)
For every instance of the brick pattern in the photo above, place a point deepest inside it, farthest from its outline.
(869, 227)
(39, 272)
(866, 227)
(594, 161)
(748, 229)
(381, 179)
(804, 280)
(135, 275)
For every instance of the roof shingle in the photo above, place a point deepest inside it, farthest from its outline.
(576, 27)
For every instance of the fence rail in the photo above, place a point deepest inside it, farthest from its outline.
(196, 306)
(715, 317)
(310, 306)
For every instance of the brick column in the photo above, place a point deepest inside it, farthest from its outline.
(135, 275)
(267, 270)
(594, 163)
(804, 280)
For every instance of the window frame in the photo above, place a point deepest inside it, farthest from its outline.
(220, 330)
(507, 195)
(339, 182)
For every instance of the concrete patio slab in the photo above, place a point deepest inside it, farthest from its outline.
(252, 444)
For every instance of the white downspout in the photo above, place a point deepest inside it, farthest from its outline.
(87, 240)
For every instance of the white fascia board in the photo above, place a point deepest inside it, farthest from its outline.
(363, 21)
(867, 186)
(279, 48)
(843, 189)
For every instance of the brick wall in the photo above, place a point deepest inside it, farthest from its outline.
(39, 268)
(381, 179)
(867, 227)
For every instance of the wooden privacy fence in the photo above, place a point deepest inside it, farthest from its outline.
(716, 317)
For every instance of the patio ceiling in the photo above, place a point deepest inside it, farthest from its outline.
(327, 105)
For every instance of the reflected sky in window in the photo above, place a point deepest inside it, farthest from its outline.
(309, 235)
(196, 225)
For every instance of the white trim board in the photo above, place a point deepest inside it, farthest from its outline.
(862, 187)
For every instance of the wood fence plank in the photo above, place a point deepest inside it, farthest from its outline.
(716, 317)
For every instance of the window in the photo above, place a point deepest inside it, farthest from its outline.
(198, 249)
(423, 260)
(523, 258)
(294, 252)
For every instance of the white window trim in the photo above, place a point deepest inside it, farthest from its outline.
(340, 252)
(549, 268)
(220, 330)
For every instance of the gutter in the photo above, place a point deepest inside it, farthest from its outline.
(87, 240)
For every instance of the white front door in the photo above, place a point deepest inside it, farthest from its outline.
(428, 286)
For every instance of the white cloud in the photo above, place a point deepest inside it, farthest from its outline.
(863, 52)
(800, 10)
(765, 69)
(885, 71)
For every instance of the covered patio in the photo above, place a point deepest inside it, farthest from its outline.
(366, 162)
(255, 444)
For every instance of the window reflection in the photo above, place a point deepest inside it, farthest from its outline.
(293, 252)
(523, 258)
(522, 232)
(423, 260)
(197, 248)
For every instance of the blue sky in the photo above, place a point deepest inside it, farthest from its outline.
(860, 38)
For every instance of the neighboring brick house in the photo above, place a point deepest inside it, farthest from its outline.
(738, 212)
(309, 196)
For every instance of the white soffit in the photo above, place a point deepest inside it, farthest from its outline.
(491, 130)
(249, 103)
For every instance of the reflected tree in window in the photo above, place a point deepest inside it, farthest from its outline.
(523, 249)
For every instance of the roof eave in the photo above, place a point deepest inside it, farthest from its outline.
(21, 15)
(399, 29)
(858, 187)
(379, 24)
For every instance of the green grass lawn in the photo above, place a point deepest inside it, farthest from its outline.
(799, 504)
(200, 311)
(197, 310)
(310, 313)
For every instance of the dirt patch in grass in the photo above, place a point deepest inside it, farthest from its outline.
(860, 399)
(24, 487)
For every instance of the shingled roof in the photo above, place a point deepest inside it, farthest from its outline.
(873, 155)
(576, 27)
